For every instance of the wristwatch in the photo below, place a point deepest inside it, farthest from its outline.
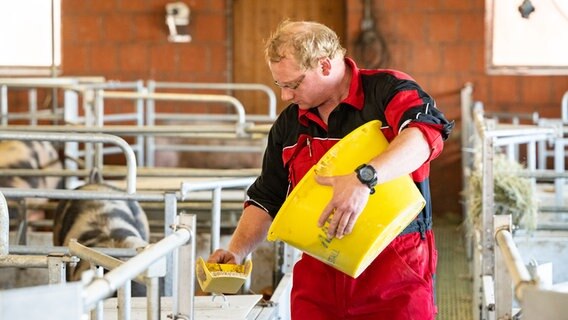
(367, 175)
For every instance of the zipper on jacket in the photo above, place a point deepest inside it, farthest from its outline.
(309, 144)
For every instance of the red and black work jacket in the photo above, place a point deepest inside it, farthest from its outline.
(299, 138)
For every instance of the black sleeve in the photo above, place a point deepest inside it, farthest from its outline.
(270, 188)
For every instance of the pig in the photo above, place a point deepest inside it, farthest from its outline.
(29, 155)
(33, 155)
(100, 223)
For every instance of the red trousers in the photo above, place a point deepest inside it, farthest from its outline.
(398, 285)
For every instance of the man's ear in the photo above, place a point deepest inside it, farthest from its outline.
(325, 65)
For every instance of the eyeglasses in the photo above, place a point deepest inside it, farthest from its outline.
(292, 85)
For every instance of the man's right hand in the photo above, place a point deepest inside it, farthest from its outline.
(223, 256)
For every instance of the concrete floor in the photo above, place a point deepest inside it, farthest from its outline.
(453, 278)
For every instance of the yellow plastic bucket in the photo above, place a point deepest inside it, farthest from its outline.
(393, 206)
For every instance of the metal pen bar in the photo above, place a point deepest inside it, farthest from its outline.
(98, 258)
(543, 174)
(102, 288)
(124, 301)
(487, 194)
(32, 101)
(520, 130)
(216, 219)
(514, 262)
(221, 86)
(187, 187)
(509, 140)
(213, 148)
(98, 311)
(559, 166)
(79, 194)
(16, 261)
(38, 82)
(501, 130)
(3, 105)
(515, 117)
(153, 297)
(210, 117)
(38, 114)
(196, 117)
(46, 250)
(184, 275)
(239, 108)
(109, 85)
(564, 107)
(56, 268)
(98, 112)
(134, 130)
(68, 137)
(170, 214)
(4, 226)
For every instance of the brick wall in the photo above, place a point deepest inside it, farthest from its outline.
(127, 40)
(439, 42)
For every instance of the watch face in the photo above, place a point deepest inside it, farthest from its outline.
(367, 174)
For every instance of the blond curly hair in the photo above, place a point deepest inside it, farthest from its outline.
(305, 41)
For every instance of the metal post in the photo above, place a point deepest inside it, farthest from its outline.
(56, 268)
(124, 300)
(4, 105)
(559, 154)
(140, 122)
(564, 106)
(88, 109)
(185, 267)
(98, 312)
(216, 219)
(502, 281)
(170, 212)
(150, 121)
(487, 207)
(4, 226)
(32, 104)
(71, 149)
(99, 123)
(153, 298)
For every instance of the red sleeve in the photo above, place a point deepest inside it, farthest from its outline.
(432, 133)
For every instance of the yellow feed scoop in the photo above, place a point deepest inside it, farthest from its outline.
(389, 210)
(221, 278)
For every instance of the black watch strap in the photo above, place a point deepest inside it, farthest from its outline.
(368, 176)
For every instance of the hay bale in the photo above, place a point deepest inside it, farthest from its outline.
(513, 194)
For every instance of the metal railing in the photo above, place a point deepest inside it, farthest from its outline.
(86, 296)
(93, 91)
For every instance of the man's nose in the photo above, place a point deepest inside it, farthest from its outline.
(286, 94)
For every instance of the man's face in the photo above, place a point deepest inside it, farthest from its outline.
(296, 85)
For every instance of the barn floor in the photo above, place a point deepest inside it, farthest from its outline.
(453, 279)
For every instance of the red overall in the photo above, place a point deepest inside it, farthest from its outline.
(398, 285)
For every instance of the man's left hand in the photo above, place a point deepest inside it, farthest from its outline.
(349, 199)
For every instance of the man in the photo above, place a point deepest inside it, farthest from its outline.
(331, 97)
